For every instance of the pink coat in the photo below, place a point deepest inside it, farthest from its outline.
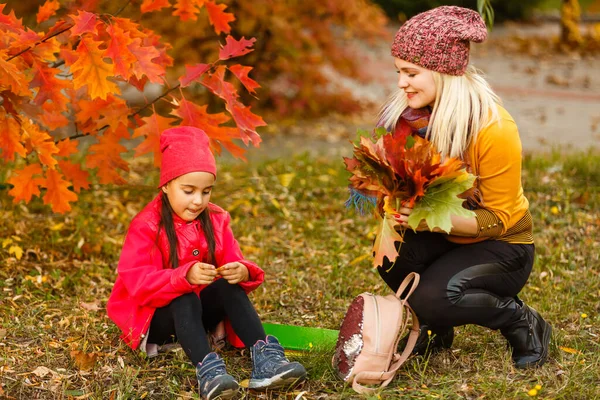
(145, 282)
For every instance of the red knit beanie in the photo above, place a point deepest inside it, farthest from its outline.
(439, 39)
(185, 149)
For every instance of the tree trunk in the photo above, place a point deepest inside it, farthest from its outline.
(570, 14)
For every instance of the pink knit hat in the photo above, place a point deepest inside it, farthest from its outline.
(439, 39)
(185, 149)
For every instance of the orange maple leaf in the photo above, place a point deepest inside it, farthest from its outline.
(193, 73)
(26, 183)
(235, 48)
(242, 74)
(57, 194)
(118, 52)
(41, 142)
(90, 69)
(47, 10)
(106, 157)
(10, 137)
(187, 9)
(85, 22)
(75, 174)
(151, 130)
(218, 17)
(154, 5)
(143, 64)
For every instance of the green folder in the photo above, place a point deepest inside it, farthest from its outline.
(294, 337)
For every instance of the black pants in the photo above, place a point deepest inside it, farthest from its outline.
(462, 284)
(187, 319)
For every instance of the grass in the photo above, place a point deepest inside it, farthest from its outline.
(57, 343)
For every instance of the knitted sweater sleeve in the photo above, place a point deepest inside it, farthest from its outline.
(497, 157)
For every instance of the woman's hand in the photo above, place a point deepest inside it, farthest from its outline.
(201, 274)
(234, 272)
(402, 218)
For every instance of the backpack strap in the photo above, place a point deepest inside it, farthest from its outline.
(411, 279)
(398, 359)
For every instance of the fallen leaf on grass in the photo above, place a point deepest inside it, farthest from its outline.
(84, 361)
(569, 350)
(42, 371)
(95, 306)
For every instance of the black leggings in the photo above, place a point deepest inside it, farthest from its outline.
(462, 284)
(188, 317)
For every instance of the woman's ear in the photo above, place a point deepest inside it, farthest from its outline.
(164, 189)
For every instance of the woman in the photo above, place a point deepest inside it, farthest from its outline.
(473, 274)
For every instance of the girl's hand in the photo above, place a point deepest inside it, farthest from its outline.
(201, 274)
(234, 272)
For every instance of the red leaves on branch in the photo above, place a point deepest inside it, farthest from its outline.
(65, 82)
(235, 48)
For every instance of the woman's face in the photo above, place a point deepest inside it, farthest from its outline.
(189, 194)
(417, 82)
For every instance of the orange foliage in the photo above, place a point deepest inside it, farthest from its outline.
(61, 79)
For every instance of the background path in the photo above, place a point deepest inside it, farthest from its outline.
(555, 99)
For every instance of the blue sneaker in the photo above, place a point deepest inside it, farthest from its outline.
(271, 369)
(213, 380)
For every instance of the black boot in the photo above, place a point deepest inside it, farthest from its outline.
(438, 340)
(529, 338)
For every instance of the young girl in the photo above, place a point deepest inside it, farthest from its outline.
(473, 274)
(181, 273)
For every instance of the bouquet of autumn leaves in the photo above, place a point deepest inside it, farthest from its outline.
(389, 170)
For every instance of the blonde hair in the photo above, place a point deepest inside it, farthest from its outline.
(464, 105)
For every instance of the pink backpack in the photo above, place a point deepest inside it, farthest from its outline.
(365, 352)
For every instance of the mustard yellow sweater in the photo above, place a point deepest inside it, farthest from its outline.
(495, 158)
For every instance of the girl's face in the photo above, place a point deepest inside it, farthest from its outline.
(189, 194)
(417, 82)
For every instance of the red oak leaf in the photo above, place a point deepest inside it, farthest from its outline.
(144, 64)
(66, 147)
(26, 183)
(49, 86)
(218, 17)
(57, 194)
(118, 51)
(216, 84)
(60, 25)
(91, 70)
(193, 73)
(52, 117)
(242, 74)
(187, 9)
(154, 5)
(10, 137)
(85, 22)
(106, 156)
(235, 48)
(151, 130)
(11, 77)
(47, 10)
(75, 174)
(41, 142)
(247, 122)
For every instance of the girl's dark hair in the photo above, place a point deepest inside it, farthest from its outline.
(166, 223)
